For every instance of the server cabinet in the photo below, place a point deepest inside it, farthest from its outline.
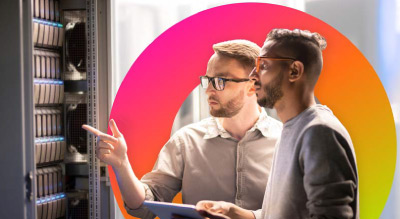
(51, 85)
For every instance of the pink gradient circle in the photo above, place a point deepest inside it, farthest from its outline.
(168, 70)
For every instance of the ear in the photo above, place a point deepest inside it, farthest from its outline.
(296, 71)
(251, 90)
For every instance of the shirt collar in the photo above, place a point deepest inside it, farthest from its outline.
(263, 124)
(214, 129)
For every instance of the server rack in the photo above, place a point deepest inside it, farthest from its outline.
(50, 68)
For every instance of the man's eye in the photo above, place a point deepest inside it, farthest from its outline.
(263, 66)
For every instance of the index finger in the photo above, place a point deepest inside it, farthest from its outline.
(92, 130)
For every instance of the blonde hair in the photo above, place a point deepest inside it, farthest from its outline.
(244, 51)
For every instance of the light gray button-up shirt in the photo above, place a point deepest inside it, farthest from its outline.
(206, 163)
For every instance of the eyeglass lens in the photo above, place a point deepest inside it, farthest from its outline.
(218, 83)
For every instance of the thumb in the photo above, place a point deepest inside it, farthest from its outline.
(114, 129)
(215, 208)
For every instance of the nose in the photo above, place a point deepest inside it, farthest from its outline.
(254, 75)
(210, 88)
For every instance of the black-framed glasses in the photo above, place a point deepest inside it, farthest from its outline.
(218, 82)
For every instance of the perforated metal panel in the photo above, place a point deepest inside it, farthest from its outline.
(93, 104)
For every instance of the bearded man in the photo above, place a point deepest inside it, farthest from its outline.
(226, 157)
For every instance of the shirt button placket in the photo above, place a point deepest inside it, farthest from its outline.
(239, 170)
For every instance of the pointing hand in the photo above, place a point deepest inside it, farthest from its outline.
(110, 149)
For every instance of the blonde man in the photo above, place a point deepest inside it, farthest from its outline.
(226, 157)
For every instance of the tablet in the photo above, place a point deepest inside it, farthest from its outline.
(165, 210)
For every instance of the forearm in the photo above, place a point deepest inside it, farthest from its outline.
(131, 188)
(236, 212)
(332, 194)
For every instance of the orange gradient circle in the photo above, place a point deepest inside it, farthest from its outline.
(168, 70)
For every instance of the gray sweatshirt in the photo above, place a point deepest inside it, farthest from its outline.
(314, 172)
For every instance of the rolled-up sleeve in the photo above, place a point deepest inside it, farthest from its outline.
(165, 180)
(142, 211)
(257, 214)
(330, 174)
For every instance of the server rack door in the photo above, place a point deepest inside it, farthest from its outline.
(16, 113)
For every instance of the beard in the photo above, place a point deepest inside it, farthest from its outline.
(230, 109)
(273, 92)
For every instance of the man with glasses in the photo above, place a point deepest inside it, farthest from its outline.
(225, 157)
(314, 171)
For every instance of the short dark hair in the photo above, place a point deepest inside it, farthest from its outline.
(305, 46)
(296, 34)
(244, 51)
